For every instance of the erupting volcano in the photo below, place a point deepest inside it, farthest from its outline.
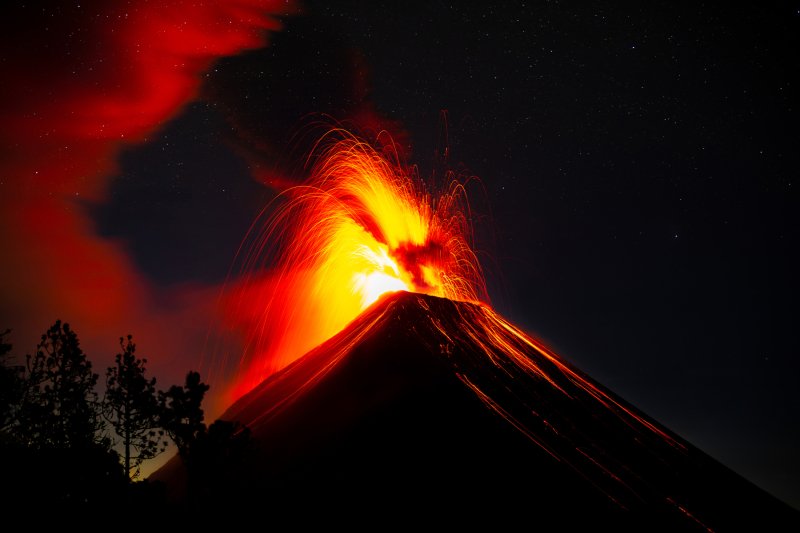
(363, 225)
(377, 378)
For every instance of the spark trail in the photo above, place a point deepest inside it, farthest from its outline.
(364, 226)
(361, 226)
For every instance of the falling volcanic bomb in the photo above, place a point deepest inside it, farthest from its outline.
(425, 401)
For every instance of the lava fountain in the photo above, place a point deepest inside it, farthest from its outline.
(361, 226)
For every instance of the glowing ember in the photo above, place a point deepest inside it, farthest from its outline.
(361, 227)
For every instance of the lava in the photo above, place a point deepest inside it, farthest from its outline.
(362, 225)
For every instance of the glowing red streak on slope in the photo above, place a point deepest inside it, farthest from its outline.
(512, 342)
(509, 349)
(362, 226)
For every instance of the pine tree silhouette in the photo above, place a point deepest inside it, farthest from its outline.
(131, 407)
(59, 408)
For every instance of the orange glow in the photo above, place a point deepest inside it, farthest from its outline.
(362, 226)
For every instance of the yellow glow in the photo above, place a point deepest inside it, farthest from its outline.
(380, 277)
(360, 228)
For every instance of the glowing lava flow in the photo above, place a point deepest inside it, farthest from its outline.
(361, 227)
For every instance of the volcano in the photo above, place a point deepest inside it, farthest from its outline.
(425, 407)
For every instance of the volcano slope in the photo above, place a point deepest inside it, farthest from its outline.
(425, 407)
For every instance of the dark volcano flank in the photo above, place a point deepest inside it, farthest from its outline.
(426, 406)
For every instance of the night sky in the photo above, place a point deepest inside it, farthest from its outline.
(635, 207)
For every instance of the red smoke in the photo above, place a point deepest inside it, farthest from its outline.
(81, 81)
(110, 71)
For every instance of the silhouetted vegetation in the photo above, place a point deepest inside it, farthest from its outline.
(214, 456)
(56, 435)
(131, 407)
(181, 412)
(59, 407)
(11, 383)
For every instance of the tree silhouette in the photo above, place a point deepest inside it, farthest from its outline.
(54, 442)
(11, 386)
(59, 407)
(131, 407)
(5, 348)
(181, 412)
(52, 432)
